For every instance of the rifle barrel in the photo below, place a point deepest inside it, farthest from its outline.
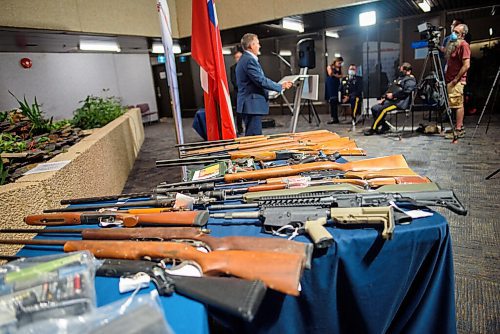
(51, 242)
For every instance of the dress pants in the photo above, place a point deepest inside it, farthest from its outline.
(380, 110)
(253, 124)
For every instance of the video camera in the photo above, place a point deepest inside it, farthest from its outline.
(430, 33)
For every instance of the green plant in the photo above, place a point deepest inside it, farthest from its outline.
(97, 112)
(38, 123)
(61, 124)
(11, 143)
(3, 115)
(3, 172)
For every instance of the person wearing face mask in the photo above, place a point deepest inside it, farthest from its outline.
(352, 91)
(458, 63)
(451, 38)
(332, 85)
(398, 96)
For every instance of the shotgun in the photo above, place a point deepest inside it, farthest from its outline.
(190, 235)
(279, 271)
(179, 218)
(235, 296)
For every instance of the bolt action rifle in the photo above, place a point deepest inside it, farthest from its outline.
(190, 235)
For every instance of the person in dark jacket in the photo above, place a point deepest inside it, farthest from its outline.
(398, 96)
(352, 91)
(234, 94)
(332, 86)
(253, 86)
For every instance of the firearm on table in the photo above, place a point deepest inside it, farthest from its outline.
(248, 139)
(235, 296)
(272, 142)
(279, 271)
(298, 210)
(311, 220)
(158, 201)
(179, 218)
(341, 199)
(367, 165)
(190, 235)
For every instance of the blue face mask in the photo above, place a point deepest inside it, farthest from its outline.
(351, 72)
(453, 37)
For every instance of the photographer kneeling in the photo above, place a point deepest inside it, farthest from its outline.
(398, 96)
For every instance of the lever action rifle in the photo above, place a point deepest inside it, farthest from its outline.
(279, 271)
(179, 218)
(235, 296)
(190, 235)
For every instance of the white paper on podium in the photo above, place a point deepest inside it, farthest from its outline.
(292, 78)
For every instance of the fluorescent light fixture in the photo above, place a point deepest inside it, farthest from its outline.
(176, 48)
(285, 53)
(367, 18)
(336, 55)
(424, 5)
(226, 51)
(293, 24)
(333, 34)
(96, 45)
(158, 48)
(491, 31)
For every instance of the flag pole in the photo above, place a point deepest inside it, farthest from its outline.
(166, 33)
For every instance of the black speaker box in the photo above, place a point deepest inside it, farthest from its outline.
(307, 55)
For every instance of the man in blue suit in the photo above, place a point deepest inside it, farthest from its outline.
(253, 86)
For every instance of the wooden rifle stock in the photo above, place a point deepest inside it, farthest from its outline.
(394, 161)
(175, 218)
(279, 271)
(189, 235)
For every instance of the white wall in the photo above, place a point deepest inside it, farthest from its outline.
(61, 80)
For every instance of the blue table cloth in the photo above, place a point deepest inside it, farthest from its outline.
(362, 284)
(183, 314)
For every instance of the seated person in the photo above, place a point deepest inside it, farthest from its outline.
(398, 96)
(352, 91)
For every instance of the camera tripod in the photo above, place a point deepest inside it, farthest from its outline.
(433, 55)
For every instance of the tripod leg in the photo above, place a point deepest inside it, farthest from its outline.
(444, 91)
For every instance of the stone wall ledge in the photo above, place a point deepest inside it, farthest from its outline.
(99, 165)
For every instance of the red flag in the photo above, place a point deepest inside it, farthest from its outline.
(206, 50)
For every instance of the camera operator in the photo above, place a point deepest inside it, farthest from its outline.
(352, 90)
(457, 54)
(446, 40)
(398, 96)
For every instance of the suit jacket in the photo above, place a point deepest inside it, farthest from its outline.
(253, 87)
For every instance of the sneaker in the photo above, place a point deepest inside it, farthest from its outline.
(460, 134)
(369, 132)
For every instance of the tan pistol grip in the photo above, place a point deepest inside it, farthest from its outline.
(318, 233)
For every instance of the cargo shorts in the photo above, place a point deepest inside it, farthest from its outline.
(456, 95)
